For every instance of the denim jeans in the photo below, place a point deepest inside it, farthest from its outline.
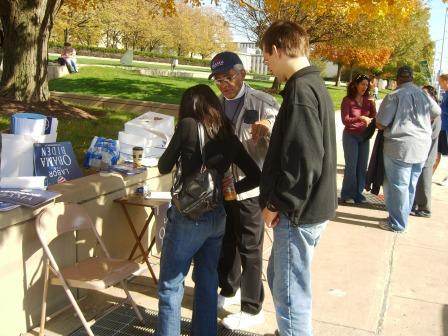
(186, 240)
(289, 275)
(400, 181)
(356, 155)
(71, 65)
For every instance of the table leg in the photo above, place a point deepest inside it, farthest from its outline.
(139, 243)
(145, 227)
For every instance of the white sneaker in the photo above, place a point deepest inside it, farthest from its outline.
(242, 320)
(224, 301)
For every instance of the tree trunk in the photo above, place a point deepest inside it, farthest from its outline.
(351, 73)
(276, 85)
(65, 35)
(27, 26)
(339, 74)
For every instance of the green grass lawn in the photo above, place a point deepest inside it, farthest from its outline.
(135, 64)
(80, 132)
(127, 84)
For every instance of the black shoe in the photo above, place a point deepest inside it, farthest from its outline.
(423, 213)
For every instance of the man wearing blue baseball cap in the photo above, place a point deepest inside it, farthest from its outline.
(252, 114)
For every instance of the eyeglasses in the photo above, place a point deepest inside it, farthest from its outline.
(226, 80)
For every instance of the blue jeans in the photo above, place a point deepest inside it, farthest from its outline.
(356, 155)
(289, 275)
(186, 240)
(71, 65)
(400, 181)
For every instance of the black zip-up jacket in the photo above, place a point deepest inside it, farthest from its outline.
(299, 172)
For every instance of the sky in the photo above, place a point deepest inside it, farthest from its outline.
(436, 25)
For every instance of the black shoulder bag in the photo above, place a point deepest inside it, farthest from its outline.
(200, 192)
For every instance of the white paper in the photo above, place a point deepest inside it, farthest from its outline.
(28, 182)
(159, 195)
(147, 151)
(29, 126)
(131, 139)
(17, 153)
(150, 125)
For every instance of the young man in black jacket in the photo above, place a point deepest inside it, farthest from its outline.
(298, 182)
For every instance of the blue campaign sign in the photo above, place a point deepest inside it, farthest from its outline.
(57, 161)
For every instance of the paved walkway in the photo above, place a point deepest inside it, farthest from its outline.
(366, 281)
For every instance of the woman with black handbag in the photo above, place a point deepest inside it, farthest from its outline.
(197, 235)
(357, 112)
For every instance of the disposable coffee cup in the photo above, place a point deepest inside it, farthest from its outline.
(137, 155)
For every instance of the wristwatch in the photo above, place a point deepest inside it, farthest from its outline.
(271, 207)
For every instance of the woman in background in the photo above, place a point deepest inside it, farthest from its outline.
(422, 201)
(357, 112)
(200, 239)
(443, 135)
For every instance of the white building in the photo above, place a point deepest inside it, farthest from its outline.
(252, 57)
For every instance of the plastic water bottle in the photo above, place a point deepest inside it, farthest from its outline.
(228, 186)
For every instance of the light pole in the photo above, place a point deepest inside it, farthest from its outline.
(443, 40)
(441, 55)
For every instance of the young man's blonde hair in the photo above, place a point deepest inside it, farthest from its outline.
(288, 36)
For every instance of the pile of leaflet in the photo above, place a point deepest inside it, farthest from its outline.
(18, 145)
(17, 153)
(152, 131)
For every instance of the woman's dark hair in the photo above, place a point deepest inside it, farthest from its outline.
(432, 92)
(201, 103)
(351, 88)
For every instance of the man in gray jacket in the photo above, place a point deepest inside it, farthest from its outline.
(405, 116)
(252, 114)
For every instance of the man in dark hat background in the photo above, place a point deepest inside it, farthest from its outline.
(252, 114)
(405, 116)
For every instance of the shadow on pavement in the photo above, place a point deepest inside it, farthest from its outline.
(355, 219)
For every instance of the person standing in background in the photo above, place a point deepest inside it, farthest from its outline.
(422, 202)
(442, 148)
(405, 116)
(357, 112)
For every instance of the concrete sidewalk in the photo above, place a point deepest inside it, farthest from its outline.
(366, 281)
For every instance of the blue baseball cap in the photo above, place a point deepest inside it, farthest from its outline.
(405, 71)
(223, 62)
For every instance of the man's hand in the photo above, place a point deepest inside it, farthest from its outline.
(270, 218)
(260, 129)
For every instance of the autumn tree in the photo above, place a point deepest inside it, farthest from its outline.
(27, 26)
(80, 26)
(212, 33)
(352, 56)
(411, 42)
(327, 22)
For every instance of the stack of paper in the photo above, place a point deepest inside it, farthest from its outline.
(33, 124)
(17, 147)
(152, 131)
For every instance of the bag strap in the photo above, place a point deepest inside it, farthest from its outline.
(201, 141)
(178, 173)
